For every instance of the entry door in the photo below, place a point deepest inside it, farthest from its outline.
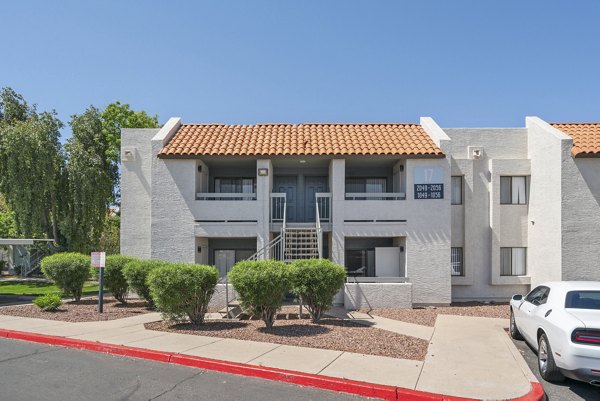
(289, 186)
(312, 185)
(224, 261)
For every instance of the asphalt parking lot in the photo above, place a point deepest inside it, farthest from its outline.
(39, 372)
(569, 390)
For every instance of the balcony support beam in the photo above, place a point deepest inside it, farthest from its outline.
(264, 183)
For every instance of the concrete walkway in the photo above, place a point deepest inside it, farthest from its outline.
(468, 357)
(474, 357)
(396, 326)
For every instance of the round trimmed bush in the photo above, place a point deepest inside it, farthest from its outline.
(48, 302)
(114, 279)
(68, 270)
(261, 285)
(315, 282)
(136, 273)
(181, 290)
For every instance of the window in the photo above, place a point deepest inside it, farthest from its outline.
(457, 190)
(583, 300)
(538, 296)
(456, 260)
(366, 185)
(360, 262)
(235, 185)
(513, 261)
(513, 190)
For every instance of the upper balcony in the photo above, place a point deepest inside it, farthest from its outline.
(226, 191)
(374, 191)
(226, 207)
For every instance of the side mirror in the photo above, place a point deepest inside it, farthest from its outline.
(517, 297)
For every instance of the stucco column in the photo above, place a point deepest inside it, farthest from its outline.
(263, 202)
(337, 184)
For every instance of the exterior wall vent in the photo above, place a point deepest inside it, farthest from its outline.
(475, 152)
(128, 154)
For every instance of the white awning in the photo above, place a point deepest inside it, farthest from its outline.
(22, 241)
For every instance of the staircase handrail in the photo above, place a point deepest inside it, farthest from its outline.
(318, 226)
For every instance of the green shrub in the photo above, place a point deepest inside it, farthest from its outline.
(261, 286)
(315, 282)
(48, 302)
(182, 290)
(69, 271)
(114, 280)
(136, 273)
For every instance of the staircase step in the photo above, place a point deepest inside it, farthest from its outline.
(234, 311)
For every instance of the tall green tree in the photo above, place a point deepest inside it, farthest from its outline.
(31, 162)
(90, 181)
(119, 115)
(62, 192)
(8, 225)
(13, 107)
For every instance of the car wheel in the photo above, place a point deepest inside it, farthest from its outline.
(514, 330)
(548, 368)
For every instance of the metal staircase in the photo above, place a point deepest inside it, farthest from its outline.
(292, 243)
(301, 243)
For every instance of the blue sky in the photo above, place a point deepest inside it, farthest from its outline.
(464, 63)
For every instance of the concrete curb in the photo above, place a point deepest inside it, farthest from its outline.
(390, 393)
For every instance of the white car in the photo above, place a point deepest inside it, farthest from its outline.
(562, 321)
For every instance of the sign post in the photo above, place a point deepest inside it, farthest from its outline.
(98, 261)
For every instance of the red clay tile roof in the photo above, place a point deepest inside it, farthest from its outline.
(301, 139)
(586, 138)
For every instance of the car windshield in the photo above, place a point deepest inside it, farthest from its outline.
(583, 300)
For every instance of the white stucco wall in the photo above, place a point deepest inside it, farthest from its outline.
(378, 295)
(219, 298)
(477, 232)
(548, 147)
(508, 222)
(136, 191)
(173, 197)
(581, 219)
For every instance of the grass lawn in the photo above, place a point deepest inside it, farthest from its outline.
(38, 288)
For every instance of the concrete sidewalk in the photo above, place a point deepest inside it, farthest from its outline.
(395, 326)
(474, 357)
(468, 357)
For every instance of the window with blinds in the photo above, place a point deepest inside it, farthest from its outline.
(513, 190)
(456, 261)
(366, 185)
(235, 185)
(457, 190)
(513, 261)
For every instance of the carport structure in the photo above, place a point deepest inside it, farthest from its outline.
(22, 254)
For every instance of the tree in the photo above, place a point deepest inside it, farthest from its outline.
(31, 162)
(110, 238)
(114, 117)
(90, 181)
(13, 107)
(63, 192)
(8, 225)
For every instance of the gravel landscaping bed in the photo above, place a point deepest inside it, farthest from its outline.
(427, 316)
(85, 310)
(331, 333)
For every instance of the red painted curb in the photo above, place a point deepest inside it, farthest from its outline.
(303, 379)
(390, 393)
(89, 345)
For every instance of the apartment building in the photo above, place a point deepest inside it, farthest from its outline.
(418, 214)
